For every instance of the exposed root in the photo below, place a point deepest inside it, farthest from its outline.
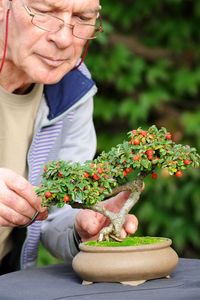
(117, 219)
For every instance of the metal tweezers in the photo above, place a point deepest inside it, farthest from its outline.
(31, 220)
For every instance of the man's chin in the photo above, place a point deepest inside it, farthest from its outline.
(52, 76)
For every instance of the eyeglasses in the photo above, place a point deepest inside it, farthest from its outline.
(52, 23)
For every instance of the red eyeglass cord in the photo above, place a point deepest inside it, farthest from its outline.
(84, 54)
(6, 39)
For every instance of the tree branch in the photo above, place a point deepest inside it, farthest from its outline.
(134, 45)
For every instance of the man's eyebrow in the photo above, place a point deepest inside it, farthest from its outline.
(91, 10)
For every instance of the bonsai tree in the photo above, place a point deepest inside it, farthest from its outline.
(123, 168)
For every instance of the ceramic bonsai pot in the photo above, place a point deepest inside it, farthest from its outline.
(125, 264)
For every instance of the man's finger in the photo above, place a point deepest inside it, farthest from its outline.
(131, 224)
(42, 216)
(20, 186)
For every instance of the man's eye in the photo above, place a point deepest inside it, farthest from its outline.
(43, 11)
(40, 11)
(85, 19)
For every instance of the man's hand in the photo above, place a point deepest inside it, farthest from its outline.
(89, 223)
(18, 200)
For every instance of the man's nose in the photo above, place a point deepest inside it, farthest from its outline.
(63, 37)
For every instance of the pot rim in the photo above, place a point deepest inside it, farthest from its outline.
(166, 242)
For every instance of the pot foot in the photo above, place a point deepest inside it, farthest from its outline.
(133, 282)
(84, 282)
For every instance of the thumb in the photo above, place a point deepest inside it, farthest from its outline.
(115, 203)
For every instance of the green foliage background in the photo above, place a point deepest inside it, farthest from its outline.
(147, 68)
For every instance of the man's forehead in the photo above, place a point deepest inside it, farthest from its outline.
(65, 4)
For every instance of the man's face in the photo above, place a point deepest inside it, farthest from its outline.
(46, 56)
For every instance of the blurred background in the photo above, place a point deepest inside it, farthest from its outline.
(146, 66)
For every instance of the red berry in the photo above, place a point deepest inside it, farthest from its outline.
(128, 170)
(154, 175)
(100, 171)
(150, 157)
(136, 142)
(168, 136)
(136, 157)
(48, 195)
(125, 173)
(60, 174)
(66, 198)
(149, 152)
(96, 177)
(187, 161)
(143, 132)
(86, 174)
(179, 173)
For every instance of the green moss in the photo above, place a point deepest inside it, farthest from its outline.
(129, 241)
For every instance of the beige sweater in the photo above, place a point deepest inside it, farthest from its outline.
(17, 115)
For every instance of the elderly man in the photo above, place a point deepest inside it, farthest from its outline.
(46, 105)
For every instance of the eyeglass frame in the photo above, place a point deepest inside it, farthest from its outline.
(32, 14)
